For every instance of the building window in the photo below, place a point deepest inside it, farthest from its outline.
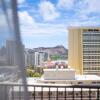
(60, 93)
(96, 30)
(39, 93)
(98, 82)
(90, 29)
(71, 83)
(52, 82)
(80, 82)
(93, 82)
(33, 94)
(50, 93)
(70, 93)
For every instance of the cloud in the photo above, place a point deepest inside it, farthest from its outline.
(66, 4)
(31, 28)
(3, 21)
(48, 11)
(40, 34)
(20, 1)
(46, 20)
(88, 9)
(43, 30)
(84, 23)
(82, 9)
(26, 19)
(93, 6)
(6, 24)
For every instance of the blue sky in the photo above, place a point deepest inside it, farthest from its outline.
(45, 22)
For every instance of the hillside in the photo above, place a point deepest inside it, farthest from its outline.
(57, 52)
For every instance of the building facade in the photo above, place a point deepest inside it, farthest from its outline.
(43, 56)
(29, 58)
(35, 58)
(11, 52)
(67, 76)
(84, 49)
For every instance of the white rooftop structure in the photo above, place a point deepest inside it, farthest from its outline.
(87, 77)
(59, 74)
(79, 79)
(63, 76)
(67, 76)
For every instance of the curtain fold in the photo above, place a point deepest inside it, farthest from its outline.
(12, 63)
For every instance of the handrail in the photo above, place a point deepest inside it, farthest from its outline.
(50, 91)
(54, 85)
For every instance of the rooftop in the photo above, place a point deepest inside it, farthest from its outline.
(83, 27)
(87, 77)
(59, 69)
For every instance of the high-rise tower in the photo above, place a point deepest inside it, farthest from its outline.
(84, 49)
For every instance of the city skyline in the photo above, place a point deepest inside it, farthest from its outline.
(45, 22)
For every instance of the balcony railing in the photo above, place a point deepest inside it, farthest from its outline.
(50, 92)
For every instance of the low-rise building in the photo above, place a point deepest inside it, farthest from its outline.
(67, 76)
(49, 87)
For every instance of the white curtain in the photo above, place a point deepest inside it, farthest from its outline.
(12, 67)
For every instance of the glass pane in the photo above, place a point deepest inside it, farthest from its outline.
(9, 70)
(11, 52)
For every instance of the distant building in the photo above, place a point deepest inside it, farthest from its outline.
(3, 61)
(53, 64)
(11, 52)
(67, 76)
(29, 58)
(59, 74)
(84, 49)
(3, 51)
(36, 58)
(3, 56)
(42, 57)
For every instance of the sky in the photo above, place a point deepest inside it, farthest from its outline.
(44, 23)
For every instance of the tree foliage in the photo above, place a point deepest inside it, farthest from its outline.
(32, 73)
(55, 57)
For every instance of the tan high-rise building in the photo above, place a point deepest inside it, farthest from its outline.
(84, 49)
